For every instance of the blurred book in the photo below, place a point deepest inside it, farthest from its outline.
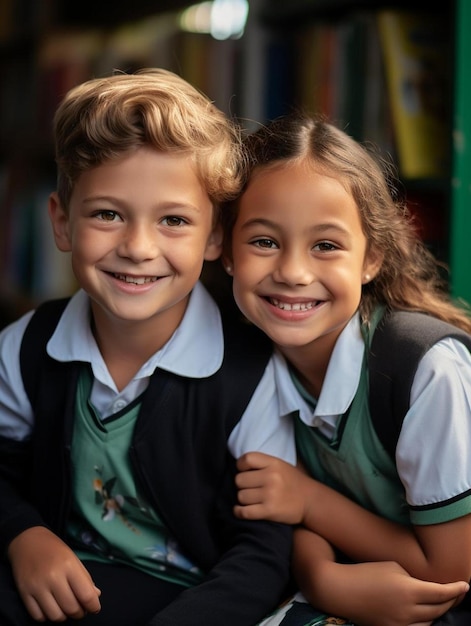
(414, 47)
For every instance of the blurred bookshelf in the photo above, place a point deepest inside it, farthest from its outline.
(392, 74)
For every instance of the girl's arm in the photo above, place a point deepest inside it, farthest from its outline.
(434, 465)
(370, 594)
(272, 489)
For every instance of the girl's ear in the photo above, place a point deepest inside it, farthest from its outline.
(227, 262)
(372, 265)
(60, 223)
(214, 244)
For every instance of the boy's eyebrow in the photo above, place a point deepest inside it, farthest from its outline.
(100, 198)
(166, 205)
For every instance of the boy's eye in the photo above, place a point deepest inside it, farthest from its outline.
(325, 246)
(173, 220)
(107, 216)
(264, 243)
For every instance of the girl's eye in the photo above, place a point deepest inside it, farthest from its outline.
(325, 246)
(107, 216)
(174, 220)
(264, 243)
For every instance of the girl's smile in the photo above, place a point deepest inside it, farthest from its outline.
(287, 308)
(299, 256)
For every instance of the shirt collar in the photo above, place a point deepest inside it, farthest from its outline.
(343, 372)
(195, 349)
(340, 383)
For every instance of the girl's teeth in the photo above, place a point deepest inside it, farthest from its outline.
(297, 306)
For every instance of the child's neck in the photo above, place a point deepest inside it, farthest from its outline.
(126, 346)
(309, 374)
(310, 363)
(124, 359)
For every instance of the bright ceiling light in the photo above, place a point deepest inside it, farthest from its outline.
(223, 19)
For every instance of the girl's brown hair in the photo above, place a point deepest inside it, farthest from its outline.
(410, 277)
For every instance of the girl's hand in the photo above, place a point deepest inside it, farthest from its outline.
(270, 489)
(384, 594)
(368, 594)
(52, 582)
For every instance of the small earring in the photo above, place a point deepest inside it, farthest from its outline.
(366, 278)
(228, 269)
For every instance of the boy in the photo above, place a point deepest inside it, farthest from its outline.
(116, 485)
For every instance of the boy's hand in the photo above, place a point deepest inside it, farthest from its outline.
(270, 489)
(52, 582)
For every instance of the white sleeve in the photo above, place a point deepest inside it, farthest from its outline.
(16, 415)
(262, 428)
(433, 452)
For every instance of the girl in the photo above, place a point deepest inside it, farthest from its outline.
(320, 250)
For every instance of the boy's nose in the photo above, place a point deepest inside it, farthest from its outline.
(139, 243)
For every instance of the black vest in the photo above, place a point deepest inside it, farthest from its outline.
(179, 450)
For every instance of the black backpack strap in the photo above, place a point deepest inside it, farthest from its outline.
(399, 342)
(33, 356)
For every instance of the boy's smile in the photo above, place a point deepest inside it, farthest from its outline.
(135, 280)
(299, 256)
(138, 229)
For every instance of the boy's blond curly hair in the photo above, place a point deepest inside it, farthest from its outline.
(103, 118)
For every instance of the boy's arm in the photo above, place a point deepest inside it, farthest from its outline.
(367, 593)
(51, 580)
(272, 489)
(16, 513)
(247, 582)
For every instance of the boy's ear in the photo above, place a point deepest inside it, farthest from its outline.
(372, 265)
(60, 223)
(214, 244)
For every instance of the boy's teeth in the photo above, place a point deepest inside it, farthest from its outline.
(136, 280)
(297, 306)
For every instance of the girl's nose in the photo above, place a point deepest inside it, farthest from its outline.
(294, 268)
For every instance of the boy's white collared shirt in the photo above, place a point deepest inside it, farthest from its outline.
(195, 350)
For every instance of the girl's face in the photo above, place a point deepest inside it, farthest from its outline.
(299, 256)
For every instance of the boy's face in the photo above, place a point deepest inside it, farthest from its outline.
(138, 230)
(299, 257)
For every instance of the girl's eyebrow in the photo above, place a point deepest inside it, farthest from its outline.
(258, 221)
(328, 226)
(318, 228)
